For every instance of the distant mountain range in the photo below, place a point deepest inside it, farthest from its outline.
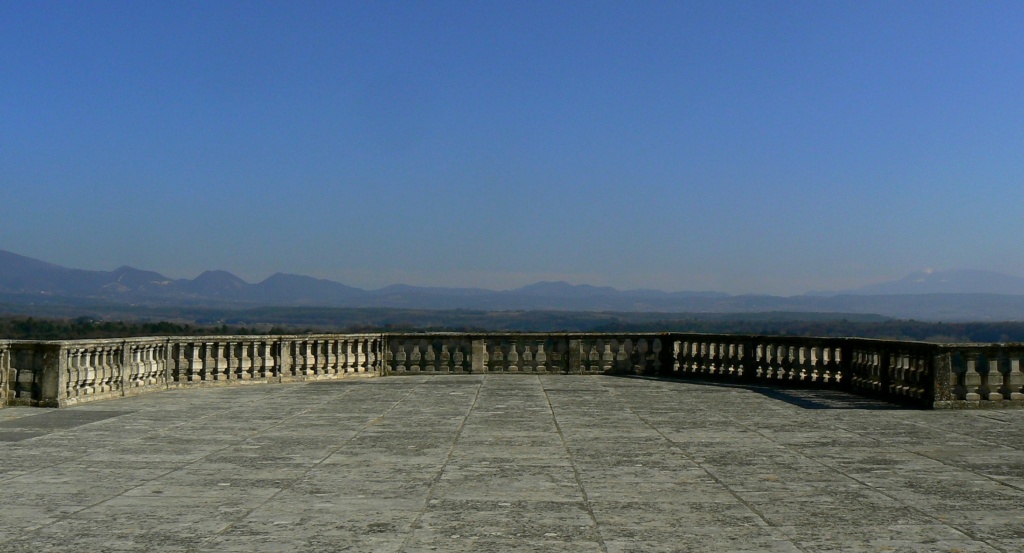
(926, 295)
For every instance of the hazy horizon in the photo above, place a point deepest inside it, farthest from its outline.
(741, 147)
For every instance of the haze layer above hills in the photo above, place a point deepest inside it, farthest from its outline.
(954, 295)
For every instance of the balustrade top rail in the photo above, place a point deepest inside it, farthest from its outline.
(66, 372)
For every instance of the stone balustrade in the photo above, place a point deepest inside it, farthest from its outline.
(985, 374)
(523, 353)
(61, 373)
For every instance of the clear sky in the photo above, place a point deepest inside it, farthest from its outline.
(765, 147)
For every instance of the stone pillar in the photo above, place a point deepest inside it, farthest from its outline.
(54, 363)
(943, 378)
(479, 355)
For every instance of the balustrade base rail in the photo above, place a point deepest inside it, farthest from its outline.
(62, 373)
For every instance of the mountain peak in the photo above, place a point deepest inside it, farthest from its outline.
(947, 281)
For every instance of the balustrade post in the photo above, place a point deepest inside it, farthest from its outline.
(479, 361)
(575, 357)
(1016, 377)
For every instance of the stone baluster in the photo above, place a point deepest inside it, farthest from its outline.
(899, 367)
(607, 356)
(95, 371)
(691, 358)
(860, 377)
(496, 358)
(820, 363)
(1015, 377)
(317, 349)
(695, 359)
(973, 377)
(294, 351)
(346, 359)
(640, 364)
(675, 367)
(134, 371)
(194, 366)
(79, 380)
(915, 374)
(209, 364)
(363, 356)
(709, 355)
(178, 363)
(221, 356)
(541, 358)
(529, 358)
(559, 356)
(337, 357)
(657, 363)
(803, 364)
(145, 367)
(322, 357)
(76, 374)
(300, 356)
(771, 362)
(731, 360)
(714, 358)
(599, 348)
(270, 359)
(791, 362)
(856, 369)
(444, 360)
(620, 358)
(158, 363)
(400, 363)
(106, 371)
(310, 357)
(513, 357)
(145, 375)
(758, 362)
(460, 348)
(330, 356)
(259, 360)
(113, 379)
(249, 370)
(429, 356)
(997, 378)
(415, 356)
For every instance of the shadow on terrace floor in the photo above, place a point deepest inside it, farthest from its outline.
(805, 398)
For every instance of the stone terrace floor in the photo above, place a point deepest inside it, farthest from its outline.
(508, 463)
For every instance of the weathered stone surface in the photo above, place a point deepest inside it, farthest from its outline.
(509, 463)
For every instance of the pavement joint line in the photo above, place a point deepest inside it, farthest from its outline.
(865, 484)
(370, 423)
(715, 477)
(437, 477)
(575, 468)
(951, 465)
(278, 423)
(940, 468)
(65, 516)
(157, 431)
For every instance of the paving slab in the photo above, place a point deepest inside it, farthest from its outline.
(509, 463)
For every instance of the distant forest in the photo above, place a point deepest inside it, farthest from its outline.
(304, 321)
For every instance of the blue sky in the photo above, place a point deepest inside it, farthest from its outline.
(765, 147)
